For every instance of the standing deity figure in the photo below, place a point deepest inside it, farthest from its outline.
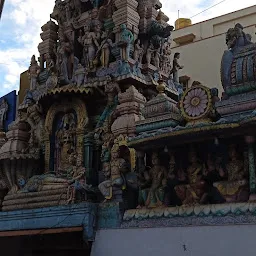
(126, 40)
(3, 113)
(34, 117)
(152, 185)
(118, 168)
(149, 53)
(176, 67)
(66, 60)
(105, 48)
(90, 44)
(138, 51)
(33, 72)
(50, 65)
(65, 142)
(157, 58)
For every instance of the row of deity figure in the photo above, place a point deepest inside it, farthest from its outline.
(98, 46)
(212, 182)
(201, 183)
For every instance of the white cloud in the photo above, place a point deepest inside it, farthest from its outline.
(27, 16)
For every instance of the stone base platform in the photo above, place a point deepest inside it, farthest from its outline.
(33, 200)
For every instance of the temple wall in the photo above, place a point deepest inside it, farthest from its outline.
(193, 241)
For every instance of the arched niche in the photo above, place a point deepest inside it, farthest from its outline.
(74, 106)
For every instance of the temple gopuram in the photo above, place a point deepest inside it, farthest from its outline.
(107, 155)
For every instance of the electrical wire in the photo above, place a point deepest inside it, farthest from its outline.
(208, 8)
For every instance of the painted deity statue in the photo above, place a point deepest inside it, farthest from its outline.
(118, 168)
(193, 192)
(90, 45)
(105, 49)
(34, 116)
(152, 185)
(66, 63)
(77, 182)
(149, 53)
(175, 177)
(235, 187)
(65, 142)
(126, 40)
(138, 51)
(33, 72)
(176, 67)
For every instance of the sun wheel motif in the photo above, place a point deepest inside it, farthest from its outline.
(196, 102)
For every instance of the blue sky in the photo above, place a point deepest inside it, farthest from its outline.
(21, 22)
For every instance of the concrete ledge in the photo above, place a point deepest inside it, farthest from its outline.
(77, 215)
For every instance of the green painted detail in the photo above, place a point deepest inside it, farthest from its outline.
(241, 88)
(155, 126)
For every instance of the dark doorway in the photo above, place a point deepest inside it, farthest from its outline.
(61, 244)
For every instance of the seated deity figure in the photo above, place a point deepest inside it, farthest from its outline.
(235, 187)
(152, 184)
(77, 182)
(193, 192)
(118, 169)
(175, 177)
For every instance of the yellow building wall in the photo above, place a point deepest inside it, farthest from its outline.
(24, 85)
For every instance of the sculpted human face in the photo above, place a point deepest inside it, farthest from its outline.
(86, 28)
(155, 160)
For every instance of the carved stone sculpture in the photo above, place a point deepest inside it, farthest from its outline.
(152, 184)
(126, 40)
(194, 191)
(138, 51)
(33, 72)
(235, 188)
(112, 188)
(176, 67)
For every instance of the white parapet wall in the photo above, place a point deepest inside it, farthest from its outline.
(177, 241)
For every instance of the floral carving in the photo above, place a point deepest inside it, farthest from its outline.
(196, 103)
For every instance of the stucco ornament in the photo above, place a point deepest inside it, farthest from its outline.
(196, 103)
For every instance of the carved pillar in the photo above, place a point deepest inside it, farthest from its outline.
(128, 112)
(88, 155)
(251, 159)
(127, 14)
